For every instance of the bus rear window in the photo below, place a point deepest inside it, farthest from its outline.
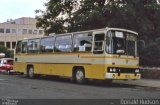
(18, 48)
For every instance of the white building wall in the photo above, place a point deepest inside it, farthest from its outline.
(19, 29)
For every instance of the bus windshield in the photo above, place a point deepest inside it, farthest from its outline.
(124, 43)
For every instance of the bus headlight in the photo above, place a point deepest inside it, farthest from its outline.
(110, 69)
(114, 69)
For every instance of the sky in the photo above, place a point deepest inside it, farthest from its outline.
(13, 9)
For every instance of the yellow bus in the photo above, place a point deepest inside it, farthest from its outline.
(103, 54)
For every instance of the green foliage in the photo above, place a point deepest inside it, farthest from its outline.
(150, 56)
(138, 15)
(51, 20)
(8, 53)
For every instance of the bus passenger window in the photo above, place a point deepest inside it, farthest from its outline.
(24, 46)
(47, 45)
(82, 46)
(82, 42)
(63, 43)
(33, 46)
(19, 46)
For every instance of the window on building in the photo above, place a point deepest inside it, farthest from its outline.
(40, 32)
(1, 30)
(33, 45)
(8, 31)
(47, 45)
(8, 45)
(30, 31)
(34, 31)
(24, 31)
(63, 44)
(13, 45)
(14, 31)
(20, 31)
(2, 43)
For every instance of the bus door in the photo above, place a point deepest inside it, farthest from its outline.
(98, 59)
(99, 41)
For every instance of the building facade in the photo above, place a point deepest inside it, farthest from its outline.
(18, 29)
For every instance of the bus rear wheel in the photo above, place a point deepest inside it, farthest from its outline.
(30, 72)
(80, 76)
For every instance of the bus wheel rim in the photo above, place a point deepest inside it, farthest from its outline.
(31, 72)
(79, 75)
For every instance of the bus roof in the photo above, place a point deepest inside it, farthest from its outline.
(102, 29)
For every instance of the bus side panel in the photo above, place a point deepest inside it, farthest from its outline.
(96, 67)
(54, 69)
(95, 71)
(20, 67)
(62, 65)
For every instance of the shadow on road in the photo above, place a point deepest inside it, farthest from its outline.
(96, 83)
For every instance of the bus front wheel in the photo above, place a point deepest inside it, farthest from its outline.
(80, 76)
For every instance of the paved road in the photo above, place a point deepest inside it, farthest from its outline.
(13, 86)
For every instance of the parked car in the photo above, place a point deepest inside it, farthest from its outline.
(6, 65)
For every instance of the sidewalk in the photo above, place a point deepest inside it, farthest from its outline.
(142, 82)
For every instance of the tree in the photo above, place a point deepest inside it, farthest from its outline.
(52, 19)
(150, 56)
(8, 53)
(138, 15)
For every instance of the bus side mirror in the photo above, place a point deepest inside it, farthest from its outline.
(120, 52)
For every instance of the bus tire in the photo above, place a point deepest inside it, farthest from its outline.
(8, 72)
(79, 76)
(30, 72)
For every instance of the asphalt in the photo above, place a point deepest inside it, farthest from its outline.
(14, 86)
(155, 83)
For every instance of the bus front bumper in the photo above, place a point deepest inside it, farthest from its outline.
(123, 76)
